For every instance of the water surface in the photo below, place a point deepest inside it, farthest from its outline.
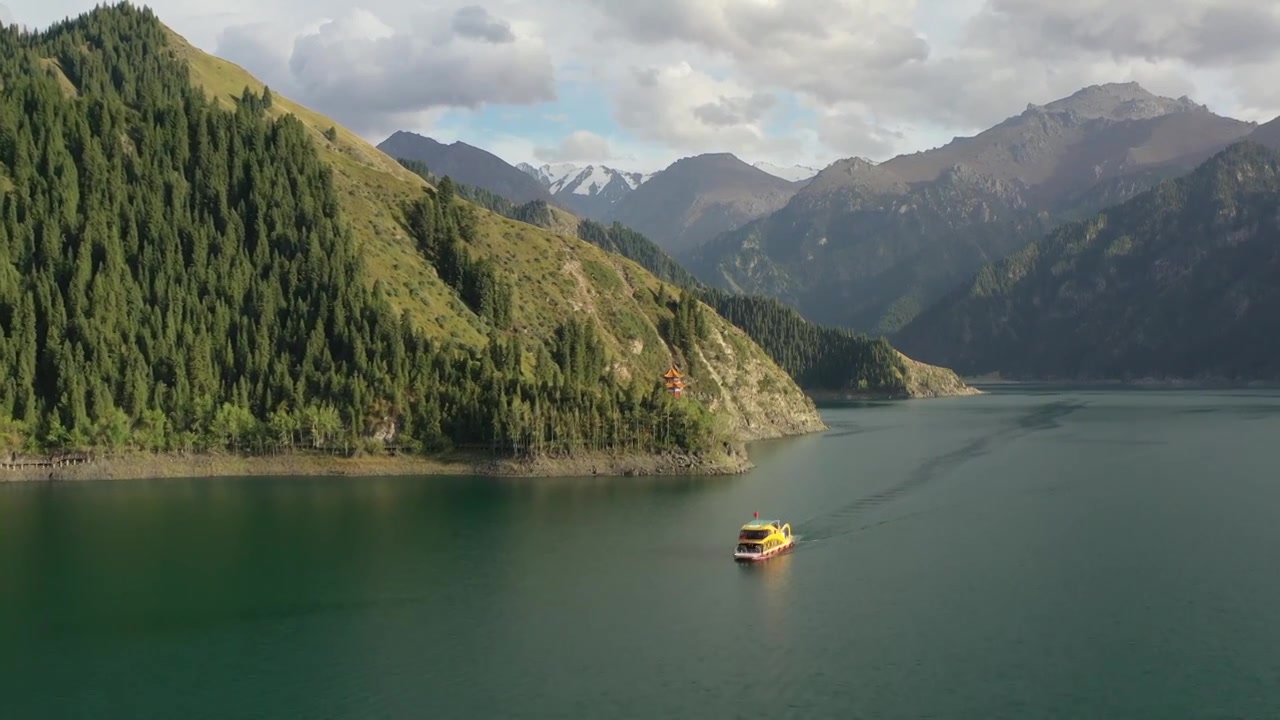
(1021, 554)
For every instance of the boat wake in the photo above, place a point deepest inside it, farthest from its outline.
(842, 521)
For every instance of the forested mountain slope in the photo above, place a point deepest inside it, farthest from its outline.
(187, 260)
(1179, 282)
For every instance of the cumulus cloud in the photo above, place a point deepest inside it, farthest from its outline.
(852, 132)
(1258, 92)
(735, 110)
(1196, 31)
(687, 109)
(476, 22)
(579, 146)
(984, 64)
(817, 46)
(875, 77)
(362, 71)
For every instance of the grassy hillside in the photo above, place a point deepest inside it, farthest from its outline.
(556, 276)
(825, 361)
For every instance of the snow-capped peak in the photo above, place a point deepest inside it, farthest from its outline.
(588, 190)
(593, 180)
(795, 173)
(549, 175)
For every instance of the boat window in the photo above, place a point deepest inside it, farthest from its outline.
(754, 534)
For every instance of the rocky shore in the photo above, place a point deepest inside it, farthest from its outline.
(732, 460)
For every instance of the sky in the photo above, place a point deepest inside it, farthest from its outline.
(638, 84)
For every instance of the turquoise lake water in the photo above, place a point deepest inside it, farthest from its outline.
(1023, 554)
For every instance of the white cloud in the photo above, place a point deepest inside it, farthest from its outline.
(683, 108)
(822, 47)
(874, 75)
(364, 72)
(1204, 32)
(851, 130)
(681, 77)
(579, 146)
(729, 111)
(1257, 90)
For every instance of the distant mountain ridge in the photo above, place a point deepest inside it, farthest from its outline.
(700, 197)
(694, 200)
(466, 164)
(590, 191)
(680, 207)
(1177, 282)
(1268, 134)
(594, 191)
(794, 173)
(871, 246)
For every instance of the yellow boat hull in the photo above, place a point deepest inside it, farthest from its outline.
(764, 554)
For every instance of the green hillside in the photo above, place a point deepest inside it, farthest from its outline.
(191, 261)
(1179, 282)
(825, 361)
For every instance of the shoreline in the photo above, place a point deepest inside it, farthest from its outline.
(835, 396)
(1133, 384)
(732, 459)
(149, 466)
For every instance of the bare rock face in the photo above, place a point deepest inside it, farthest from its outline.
(931, 381)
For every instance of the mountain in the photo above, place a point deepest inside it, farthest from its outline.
(590, 191)
(794, 173)
(870, 246)
(680, 207)
(1268, 134)
(548, 174)
(189, 261)
(466, 164)
(697, 198)
(826, 362)
(1177, 282)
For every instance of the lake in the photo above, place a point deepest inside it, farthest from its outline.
(1021, 554)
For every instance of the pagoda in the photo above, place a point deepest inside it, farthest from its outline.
(674, 380)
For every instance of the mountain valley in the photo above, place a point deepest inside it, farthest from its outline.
(904, 247)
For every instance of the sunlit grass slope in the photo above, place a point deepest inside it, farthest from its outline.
(555, 274)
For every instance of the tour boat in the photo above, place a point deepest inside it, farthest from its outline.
(762, 539)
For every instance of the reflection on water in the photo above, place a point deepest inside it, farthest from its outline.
(772, 578)
(767, 584)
